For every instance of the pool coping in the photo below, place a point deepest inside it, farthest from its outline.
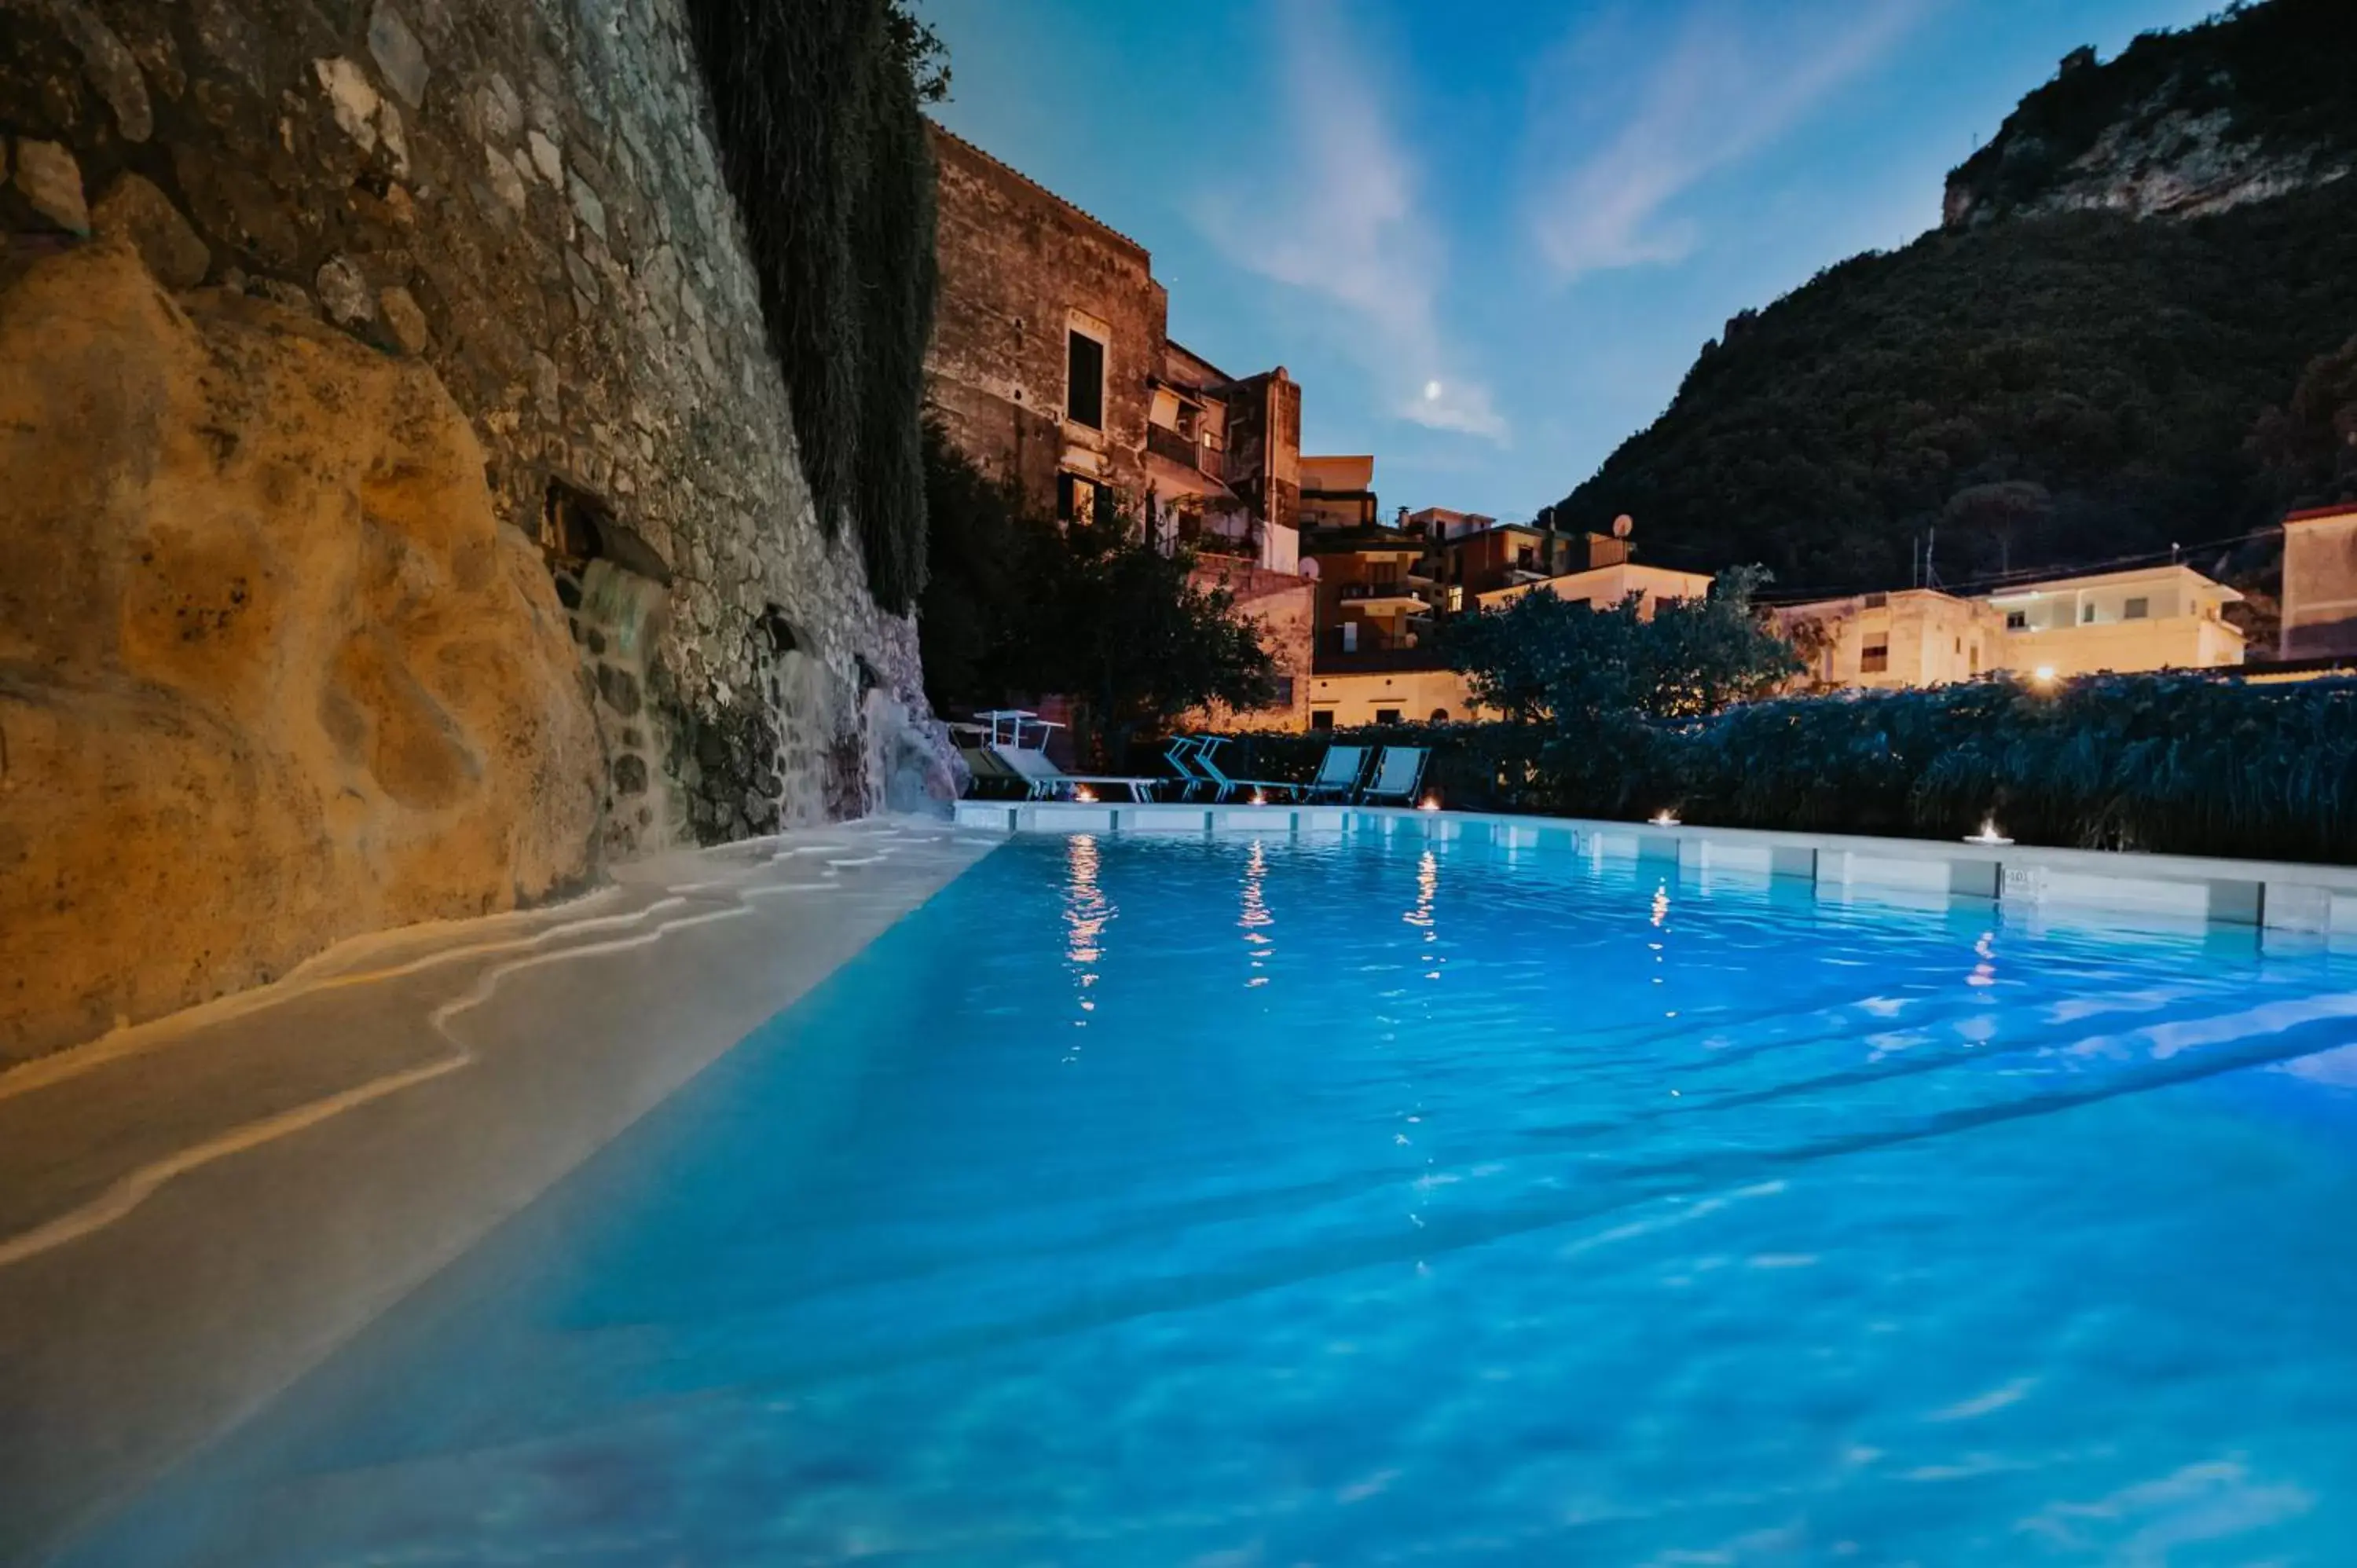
(196, 1211)
(2277, 896)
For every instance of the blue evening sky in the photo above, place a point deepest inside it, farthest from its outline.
(1488, 236)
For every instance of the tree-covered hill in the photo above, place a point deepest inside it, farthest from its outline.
(2044, 391)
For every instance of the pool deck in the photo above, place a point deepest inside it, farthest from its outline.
(196, 1211)
(2286, 900)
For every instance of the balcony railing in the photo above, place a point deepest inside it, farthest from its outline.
(1329, 659)
(1183, 450)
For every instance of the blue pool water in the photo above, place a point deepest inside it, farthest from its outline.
(1223, 1203)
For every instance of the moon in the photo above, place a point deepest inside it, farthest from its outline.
(1432, 391)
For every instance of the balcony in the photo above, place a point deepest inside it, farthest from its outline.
(1204, 539)
(1386, 597)
(1184, 450)
(1329, 659)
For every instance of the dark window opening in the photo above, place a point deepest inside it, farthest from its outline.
(1281, 695)
(1322, 719)
(2137, 609)
(1875, 657)
(1076, 499)
(1440, 716)
(775, 631)
(2086, 615)
(1084, 363)
(1387, 715)
(2017, 620)
(577, 528)
(1877, 601)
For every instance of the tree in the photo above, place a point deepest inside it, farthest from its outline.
(1019, 606)
(1127, 631)
(1546, 659)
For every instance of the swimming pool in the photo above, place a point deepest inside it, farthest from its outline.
(1235, 1202)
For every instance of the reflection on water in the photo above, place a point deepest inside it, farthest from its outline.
(1255, 918)
(1087, 912)
(1827, 1236)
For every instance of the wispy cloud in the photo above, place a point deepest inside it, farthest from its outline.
(1731, 79)
(1340, 218)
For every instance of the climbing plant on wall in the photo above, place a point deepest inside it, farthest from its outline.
(817, 109)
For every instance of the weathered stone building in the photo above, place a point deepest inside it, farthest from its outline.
(1052, 363)
(512, 213)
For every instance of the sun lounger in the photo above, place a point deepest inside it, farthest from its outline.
(1182, 755)
(1398, 770)
(1206, 757)
(1337, 773)
(1046, 781)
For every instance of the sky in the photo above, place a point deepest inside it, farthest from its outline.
(1488, 236)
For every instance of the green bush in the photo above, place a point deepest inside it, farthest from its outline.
(2166, 763)
(824, 148)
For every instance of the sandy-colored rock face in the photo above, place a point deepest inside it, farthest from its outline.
(271, 674)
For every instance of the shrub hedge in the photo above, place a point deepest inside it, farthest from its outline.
(2177, 764)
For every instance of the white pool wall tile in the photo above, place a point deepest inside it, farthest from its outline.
(2278, 897)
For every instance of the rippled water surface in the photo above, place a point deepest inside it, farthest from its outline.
(1221, 1203)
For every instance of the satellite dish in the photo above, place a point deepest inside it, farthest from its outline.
(1622, 525)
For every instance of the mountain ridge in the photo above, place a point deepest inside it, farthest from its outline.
(2103, 352)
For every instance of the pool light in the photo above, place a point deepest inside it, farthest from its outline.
(1664, 818)
(1429, 803)
(1260, 798)
(1988, 833)
(2043, 674)
(1084, 794)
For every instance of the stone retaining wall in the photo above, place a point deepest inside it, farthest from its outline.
(524, 193)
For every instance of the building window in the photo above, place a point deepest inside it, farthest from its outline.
(1387, 715)
(2017, 620)
(2136, 609)
(2086, 615)
(1976, 657)
(1322, 718)
(1282, 697)
(1084, 377)
(1877, 601)
(1875, 657)
(1440, 716)
(1349, 637)
(1076, 499)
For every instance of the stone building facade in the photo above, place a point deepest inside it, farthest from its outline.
(1052, 363)
(522, 197)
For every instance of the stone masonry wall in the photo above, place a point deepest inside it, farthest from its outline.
(524, 195)
(1016, 259)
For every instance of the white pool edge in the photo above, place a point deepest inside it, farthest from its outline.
(2289, 897)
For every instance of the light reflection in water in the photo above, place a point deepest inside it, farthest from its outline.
(1255, 918)
(1421, 916)
(1086, 912)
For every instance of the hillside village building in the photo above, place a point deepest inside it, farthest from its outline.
(1051, 365)
(2320, 583)
(2151, 618)
(1594, 569)
(1911, 636)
